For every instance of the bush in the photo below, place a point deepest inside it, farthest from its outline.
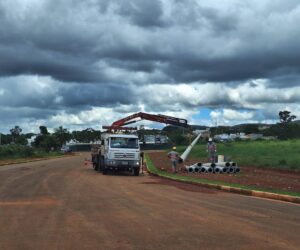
(15, 150)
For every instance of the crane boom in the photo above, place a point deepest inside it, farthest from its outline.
(150, 117)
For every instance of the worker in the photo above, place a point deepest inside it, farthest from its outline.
(211, 150)
(174, 157)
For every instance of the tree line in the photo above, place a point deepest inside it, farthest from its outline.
(49, 141)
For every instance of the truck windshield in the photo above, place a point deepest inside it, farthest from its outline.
(121, 142)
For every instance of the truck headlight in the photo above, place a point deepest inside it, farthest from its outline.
(137, 163)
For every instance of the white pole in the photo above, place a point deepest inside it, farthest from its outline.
(186, 153)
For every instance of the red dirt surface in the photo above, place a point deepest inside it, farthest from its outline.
(285, 180)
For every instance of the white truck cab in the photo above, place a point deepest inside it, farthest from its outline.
(117, 152)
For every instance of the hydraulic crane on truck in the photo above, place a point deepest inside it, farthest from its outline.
(121, 151)
(119, 124)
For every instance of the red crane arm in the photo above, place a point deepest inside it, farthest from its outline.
(144, 116)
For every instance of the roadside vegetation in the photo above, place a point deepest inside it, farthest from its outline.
(259, 153)
(12, 152)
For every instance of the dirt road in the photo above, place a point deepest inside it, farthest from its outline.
(60, 204)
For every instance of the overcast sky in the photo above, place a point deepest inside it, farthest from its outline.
(86, 63)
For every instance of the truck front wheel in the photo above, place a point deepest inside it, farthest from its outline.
(136, 171)
(104, 170)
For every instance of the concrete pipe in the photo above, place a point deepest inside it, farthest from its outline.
(199, 164)
(217, 170)
(233, 164)
(196, 169)
(224, 164)
(237, 170)
(189, 169)
(231, 170)
(189, 148)
(220, 169)
(202, 169)
(206, 169)
(225, 169)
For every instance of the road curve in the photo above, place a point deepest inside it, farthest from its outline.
(62, 204)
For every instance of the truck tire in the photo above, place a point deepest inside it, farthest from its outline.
(96, 163)
(104, 171)
(101, 164)
(136, 171)
(95, 166)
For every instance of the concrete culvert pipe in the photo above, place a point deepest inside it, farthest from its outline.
(224, 164)
(206, 169)
(231, 170)
(233, 164)
(217, 170)
(209, 169)
(199, 164)
(196, 169)
(202, 169)
(189, 169)
(213, 165)
(237, 170)
(220, 169)
(224, 170)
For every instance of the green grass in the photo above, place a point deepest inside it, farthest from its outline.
(276, 154)
(14, 152)
(157, 171)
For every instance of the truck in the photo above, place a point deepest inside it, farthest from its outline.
(119, 148)
(117, 152)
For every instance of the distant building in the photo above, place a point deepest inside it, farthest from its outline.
(155, 139)
(31, 140)
(255, 136)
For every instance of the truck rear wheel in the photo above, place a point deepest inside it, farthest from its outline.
(100, 164)
(95, 167)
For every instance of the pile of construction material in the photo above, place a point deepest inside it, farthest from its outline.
(222, 165)
(218, 168)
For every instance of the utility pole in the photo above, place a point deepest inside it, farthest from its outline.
(0, 139)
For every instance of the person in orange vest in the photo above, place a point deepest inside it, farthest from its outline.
(174, 157)
(212, 150)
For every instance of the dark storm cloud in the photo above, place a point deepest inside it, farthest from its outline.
(64, 57)
(143, 13)
(70, 40)
(42, 94)
(95, 95)
(11, 113)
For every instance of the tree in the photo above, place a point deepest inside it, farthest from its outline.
(49, 142)
(286, 117)
(21, 139)
(62, 134)
(286, 130)
(15, 132)
(44, 130)
(46, 142)
(86, 135)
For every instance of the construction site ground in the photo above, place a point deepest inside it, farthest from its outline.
(64, 204)
(266, 178)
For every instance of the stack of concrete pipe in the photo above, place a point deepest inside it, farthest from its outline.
(218, 168)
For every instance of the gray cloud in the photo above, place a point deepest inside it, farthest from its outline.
(76, 55)
(196, 42)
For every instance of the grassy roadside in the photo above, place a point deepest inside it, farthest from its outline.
(192, 179)
(272, 154)
(20, 159)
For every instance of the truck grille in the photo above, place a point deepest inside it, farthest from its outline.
(124, 155)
